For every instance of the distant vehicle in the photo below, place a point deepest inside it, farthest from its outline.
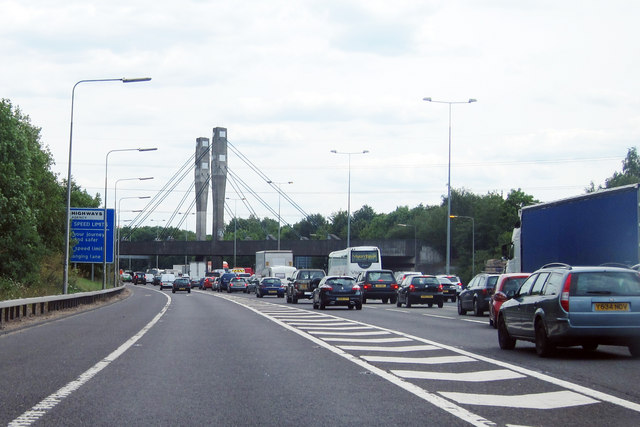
(506, 287)
(181, 284)
(126, 277)
(270, 286)
(157, 279)
(449, 289)
(455, 280)
(148, 278)
(223, 281)
(378, 284)
(401, 275)
(166, 280)
(272, 258)
(477, 294)
(352, 261)
(139, 278)
(253, 282)
(560, 306)
(420, 290)
(283, 272)
(207, 282)
(237, 284)
(337, 291)
(196, 283)
(301, 283)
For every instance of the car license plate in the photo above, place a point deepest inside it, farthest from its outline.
(273, 292)
(611, 306)
(342, 298)
(302, 286)
(381, 286)
(426, 296)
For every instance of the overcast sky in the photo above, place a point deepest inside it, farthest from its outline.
(557, 85)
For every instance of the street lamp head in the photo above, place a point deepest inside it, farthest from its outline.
(145, 178)
(334, 151)
(135, 79)
(365, 151)
(426, 99)
(147, 149)
(472, 100)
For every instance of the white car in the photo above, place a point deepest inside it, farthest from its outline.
(148, 277)
(166, 281)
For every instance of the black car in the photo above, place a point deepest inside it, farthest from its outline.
(302, 283)
(378, 284)
(337, 291)
(139, 278)
(420, 290)
(477, 295)
(223, 281)
(181, 284)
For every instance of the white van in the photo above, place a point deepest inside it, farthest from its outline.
(166, 280)
(282, 272)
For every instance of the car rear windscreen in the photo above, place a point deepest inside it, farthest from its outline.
(382, 276)
(605, 283)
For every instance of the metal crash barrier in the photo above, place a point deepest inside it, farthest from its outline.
(17, 309)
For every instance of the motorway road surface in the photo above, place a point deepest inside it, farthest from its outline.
(204, 358)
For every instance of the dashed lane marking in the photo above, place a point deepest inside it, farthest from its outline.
(475, 376)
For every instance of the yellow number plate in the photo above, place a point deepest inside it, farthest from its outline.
(381, 286)
(611, 306)
(343, 298)
(426, 296)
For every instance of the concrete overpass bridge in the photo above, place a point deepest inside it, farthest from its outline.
(397, 254)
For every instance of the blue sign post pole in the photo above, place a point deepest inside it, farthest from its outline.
(87, 232)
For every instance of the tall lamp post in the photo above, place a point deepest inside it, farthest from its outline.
(104, 242)
(235, 227)
(278, 184)
(117, 269)
(448, 265)
(349, 191)
(67, 227)
(473, 241)
(415, 243)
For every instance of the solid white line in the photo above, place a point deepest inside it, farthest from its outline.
(438, 316)
(305, 325)
(398, 349)
(475, 377)
(484, 322)
(436, 360)
(49, 402)
(551, 400)
(339, 328)
(350, 334)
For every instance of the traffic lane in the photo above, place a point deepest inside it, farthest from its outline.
(210, 361)
(609, 369)
(38, 360)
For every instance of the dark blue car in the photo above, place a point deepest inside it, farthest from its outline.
(224, 281)
(270, 286)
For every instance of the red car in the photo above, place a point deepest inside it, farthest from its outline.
(506, 287)
(208, 283)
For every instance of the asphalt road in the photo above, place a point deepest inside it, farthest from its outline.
(204, 358)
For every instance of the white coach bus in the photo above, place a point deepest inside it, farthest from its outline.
(351, 261)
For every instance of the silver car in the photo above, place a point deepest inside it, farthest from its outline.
(562, 306)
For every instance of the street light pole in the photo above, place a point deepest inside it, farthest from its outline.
(415, 243)
(278, 184)
(448, 262)
(117, 265)
(349, 192)
(473, 241)
(104, 241)
(67, 227)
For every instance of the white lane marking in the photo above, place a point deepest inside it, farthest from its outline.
(338, 328)
(398, 349)
(304, 320)
(484, 322)
(438, 316)
(551, 400)
(350, 334)
(39, 410)
(475, 377)
(436, 360)
(369, 340)
(431, 398)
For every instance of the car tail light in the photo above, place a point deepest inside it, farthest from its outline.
(394, 286)
(484, 291)
(356, 288)
(412, 288)
(367, 285)
(439, 288)
(326, 287)
(564, 297)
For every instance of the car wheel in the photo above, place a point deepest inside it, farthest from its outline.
(385, 300)
(408, 303)
(492, 323)
(322, 306)
(440, 304)
(430, 305)
(394, 300)
(294, 299)
(398, 303)
(504, 338)
(364, 300)
(590, 346)
(188, 291)
(358, 306)
(350, 307)
(544, 347)
(461, 311)
(173, 291)
(634, 349)
(476, 308)
(315, 306)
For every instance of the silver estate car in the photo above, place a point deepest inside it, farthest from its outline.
(562, 306)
